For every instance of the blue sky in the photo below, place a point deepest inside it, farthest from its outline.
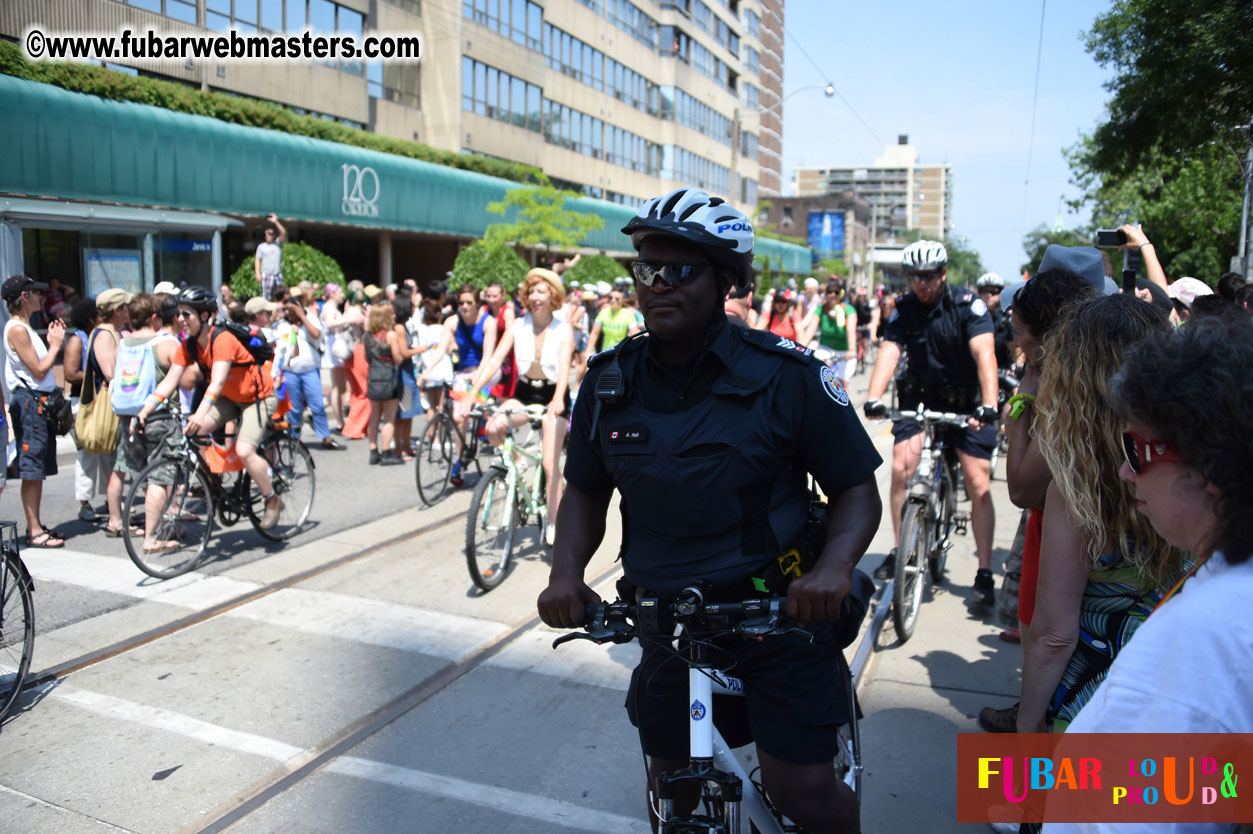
(958, 79)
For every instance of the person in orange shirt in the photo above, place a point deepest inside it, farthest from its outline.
(239, 389)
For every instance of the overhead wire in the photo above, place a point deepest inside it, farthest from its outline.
(847, 104)
(1035, 97)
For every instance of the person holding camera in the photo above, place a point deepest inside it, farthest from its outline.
(268, 264)
(304, 370)
(947, 334)
(28, 376)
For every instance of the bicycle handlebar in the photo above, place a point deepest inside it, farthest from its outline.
(944, 417)
(622, 622)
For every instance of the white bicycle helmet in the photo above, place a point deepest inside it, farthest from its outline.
(710, 222)
(989, 279)
(924, 256)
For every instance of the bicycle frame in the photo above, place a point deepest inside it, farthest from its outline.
(532, 494)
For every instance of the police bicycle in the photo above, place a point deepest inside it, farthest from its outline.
(438, 449)
(929, 517)
(17, 618)
(191, 480)
(1007, 383)
(506, 498)
(726, 788)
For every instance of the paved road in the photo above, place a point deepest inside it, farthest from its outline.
(385, 693)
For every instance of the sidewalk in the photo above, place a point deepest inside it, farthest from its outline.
(918, 696)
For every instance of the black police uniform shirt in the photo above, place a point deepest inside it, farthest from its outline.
(936, 340)
(1003, 336)
(711, 464)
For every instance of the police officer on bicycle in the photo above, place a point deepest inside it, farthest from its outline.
(989, 287)
(708, 430)
(947, 335)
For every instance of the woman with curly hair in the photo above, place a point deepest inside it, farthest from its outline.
(1102, 564)
(1189, 461)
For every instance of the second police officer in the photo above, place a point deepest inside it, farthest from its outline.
(708, 437)
(946, 335)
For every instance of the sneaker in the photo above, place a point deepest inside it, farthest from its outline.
(86, 513)
(984, 591)
(887, 569)
(391, 458)
(329, 443)
(994, 720)
(374, 457)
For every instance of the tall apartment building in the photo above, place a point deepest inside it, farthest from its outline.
(617, 99)
(903, 194)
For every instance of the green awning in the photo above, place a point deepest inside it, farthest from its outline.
(80, 147)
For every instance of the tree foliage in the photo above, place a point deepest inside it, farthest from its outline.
(541, 217)
(486, 262)
(964, 262)
(1188, 203)
(300, 262)
(1042, 236)
(1184, 78)
(594, 268)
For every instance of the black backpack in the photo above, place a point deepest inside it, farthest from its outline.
(250, 337)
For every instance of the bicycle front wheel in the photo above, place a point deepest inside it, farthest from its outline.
(490, 530)
(291, 470)
(170, 500)
(17, 629)
(911, 555)
(436, 454)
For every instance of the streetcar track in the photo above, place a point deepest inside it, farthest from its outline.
(330, 748)
(143, 638)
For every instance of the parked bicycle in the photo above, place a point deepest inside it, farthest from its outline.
(192, 480)
(17, 619)
(506, 498)
(929, 517)
(441, 440)
(725, 787)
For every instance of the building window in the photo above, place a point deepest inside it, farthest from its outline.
(753, 23)
(752, 60)
(749, 96)
(486, 91)
(411, 6)
(399, 83)
(519, 20)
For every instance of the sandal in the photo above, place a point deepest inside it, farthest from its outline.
(116, 533)
(161, 547)
(44, 538)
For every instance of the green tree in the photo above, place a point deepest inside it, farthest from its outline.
(1188, 203)
(1183, 78)
(541, 218)
(833, 266)
(1040, 238)
(594, 268)
(300, 262)
(964, 263)
(486, 262)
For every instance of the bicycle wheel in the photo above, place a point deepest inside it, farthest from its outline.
(176, 495)
(17, 629)
(937, 555)
(291, 469)
(436, 454)
(911, 552)
(490, 530)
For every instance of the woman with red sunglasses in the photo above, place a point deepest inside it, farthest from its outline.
(1102, 565)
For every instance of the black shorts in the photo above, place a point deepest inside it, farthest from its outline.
(978, 443)
(793, 705)
(538, 392)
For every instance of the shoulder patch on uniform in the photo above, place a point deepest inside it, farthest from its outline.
(896, 314)
(831, 385)
(978, 307)
(769, 342)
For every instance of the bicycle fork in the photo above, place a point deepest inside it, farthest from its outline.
(701, 771)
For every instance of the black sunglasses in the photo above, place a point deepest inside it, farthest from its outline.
(673, 275)
(923, 277)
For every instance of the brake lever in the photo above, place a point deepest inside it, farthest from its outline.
(599, 637)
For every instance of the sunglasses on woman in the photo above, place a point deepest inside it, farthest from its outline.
(1143, 452)
(673, 275)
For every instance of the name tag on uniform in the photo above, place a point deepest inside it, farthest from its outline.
(638, 435)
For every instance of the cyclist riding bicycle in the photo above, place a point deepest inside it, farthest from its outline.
(238, 389)
(708, 431)
(989, 287)
(946, 333)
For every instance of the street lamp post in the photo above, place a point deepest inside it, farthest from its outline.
(737, 117)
